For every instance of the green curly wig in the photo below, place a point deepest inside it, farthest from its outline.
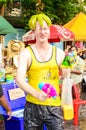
(39, 18)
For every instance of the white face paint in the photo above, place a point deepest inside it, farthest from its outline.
(42, 33)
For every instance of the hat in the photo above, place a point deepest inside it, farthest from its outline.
(14, 48)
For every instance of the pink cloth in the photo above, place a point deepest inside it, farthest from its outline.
(79, 45)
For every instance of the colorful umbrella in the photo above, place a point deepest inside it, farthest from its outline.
(57, 33)
(63, 33)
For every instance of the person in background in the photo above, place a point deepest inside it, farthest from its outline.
(67, 48)
(78, 69)
(41, 62)
(3, 103)
(82, 54)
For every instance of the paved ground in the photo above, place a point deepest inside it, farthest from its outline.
(82, 123)
(82, 118)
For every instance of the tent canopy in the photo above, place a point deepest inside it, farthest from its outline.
(78, 26)
(6, 27)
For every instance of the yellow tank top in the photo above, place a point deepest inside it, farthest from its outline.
(43, 72)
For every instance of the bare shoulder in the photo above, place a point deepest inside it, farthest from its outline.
(25, 53)
(24, 58)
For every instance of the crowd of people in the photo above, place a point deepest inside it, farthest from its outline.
(78, 69)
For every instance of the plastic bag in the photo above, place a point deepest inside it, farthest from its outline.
(66, 98)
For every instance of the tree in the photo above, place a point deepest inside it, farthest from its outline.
(60, 11)
(3, 4)
(39, 6)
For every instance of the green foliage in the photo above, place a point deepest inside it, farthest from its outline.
(29, 9)
(5, 1)
(1, 117)
(59, 11)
